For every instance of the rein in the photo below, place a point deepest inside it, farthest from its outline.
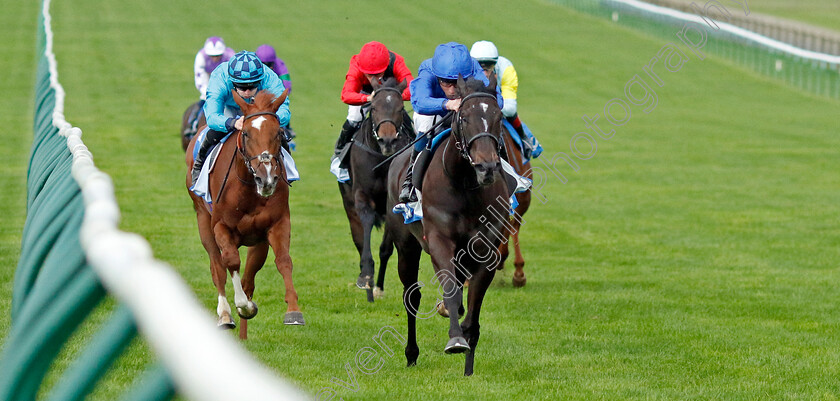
(375, 127)
(263, 157)
(411, 144)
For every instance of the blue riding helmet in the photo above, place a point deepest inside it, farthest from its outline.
(245, 68)
(452, 59)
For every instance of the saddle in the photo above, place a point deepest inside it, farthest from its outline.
(425, 156)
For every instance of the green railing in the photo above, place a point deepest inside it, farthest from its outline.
(73, 256)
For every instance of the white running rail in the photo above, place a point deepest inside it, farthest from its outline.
(205, 363)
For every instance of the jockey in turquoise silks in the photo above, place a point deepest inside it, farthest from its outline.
(245, 74)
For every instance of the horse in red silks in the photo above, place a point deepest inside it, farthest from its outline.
(465, 211)
(386, 129)
(250, 208)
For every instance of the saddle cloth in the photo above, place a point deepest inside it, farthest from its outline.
(202, 184)
(536, 148)
(413, 211)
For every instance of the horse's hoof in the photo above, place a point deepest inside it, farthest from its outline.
(519, 281)
(378, 293)
(363, 282)
(249, 311)
(456, 345)
(441, 309)
(294, 318)
(225, 322)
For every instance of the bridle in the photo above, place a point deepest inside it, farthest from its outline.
(461, 143)
(263, 157)
(377, 124)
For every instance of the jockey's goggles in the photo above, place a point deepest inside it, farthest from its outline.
(246, 86)
(487, 64)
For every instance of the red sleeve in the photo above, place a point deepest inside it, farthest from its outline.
(353, 82)
(401, 72)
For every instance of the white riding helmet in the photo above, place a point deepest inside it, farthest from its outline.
(484, 51)
(214, 46)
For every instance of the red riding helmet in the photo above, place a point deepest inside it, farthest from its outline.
(373, 58)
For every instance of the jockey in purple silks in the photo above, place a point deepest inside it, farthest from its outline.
(208, 58)
(269, 57)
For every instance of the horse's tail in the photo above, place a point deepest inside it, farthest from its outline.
(378, 220)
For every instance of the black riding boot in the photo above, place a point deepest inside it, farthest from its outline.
(347, 130)
(407, 192)
(213, 137)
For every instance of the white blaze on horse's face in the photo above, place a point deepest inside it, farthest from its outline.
(257, 123)
(484, 107)
(266, 185)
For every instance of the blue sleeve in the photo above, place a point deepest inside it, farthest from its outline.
(274, 84)
(217, 94)
(425, 99)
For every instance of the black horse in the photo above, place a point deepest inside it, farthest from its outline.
(189, 124)
(386, 130)
(465, 207)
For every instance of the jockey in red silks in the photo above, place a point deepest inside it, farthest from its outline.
(374, 62)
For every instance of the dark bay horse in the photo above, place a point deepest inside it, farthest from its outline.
(514, 157)
(463, 195)
(382, 133)
(250, 208)
(187, 128)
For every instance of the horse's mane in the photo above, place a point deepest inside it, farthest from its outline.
(389, 82)
(263, 99)
(477, 85)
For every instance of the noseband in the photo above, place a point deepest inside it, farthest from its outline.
(461, 143)
(378, 124)
(263, 157)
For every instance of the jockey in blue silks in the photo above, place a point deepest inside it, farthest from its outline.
(434, 94)
(245, 74)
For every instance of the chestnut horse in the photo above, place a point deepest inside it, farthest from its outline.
(514, 157)
(250, 208)
(382, 133)
(463, 195)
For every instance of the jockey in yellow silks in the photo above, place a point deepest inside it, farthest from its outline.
(488, 57)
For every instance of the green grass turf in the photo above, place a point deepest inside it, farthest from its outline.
(694, 256)
(824, 13)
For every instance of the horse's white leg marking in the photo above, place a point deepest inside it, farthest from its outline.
(239, 297)
(223, 306)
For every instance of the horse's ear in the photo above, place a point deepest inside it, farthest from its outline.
(375, 83)
(462, 85)
(493, 81)
(279, 101)
(402, 85)
(239, 100)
